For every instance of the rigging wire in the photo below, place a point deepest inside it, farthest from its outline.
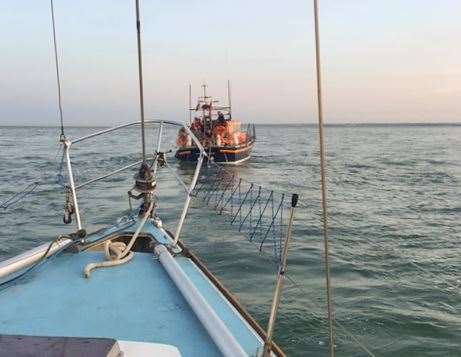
(62, 136)
(297, 285)
(323, 179)
(32, 186)
(20, 195)
(141, 86)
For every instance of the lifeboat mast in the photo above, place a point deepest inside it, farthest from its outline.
(206, 104)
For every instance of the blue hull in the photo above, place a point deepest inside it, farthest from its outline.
(220, 154)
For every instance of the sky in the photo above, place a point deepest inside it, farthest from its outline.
(383, 61)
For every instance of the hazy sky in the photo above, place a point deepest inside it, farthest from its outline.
(383, 61)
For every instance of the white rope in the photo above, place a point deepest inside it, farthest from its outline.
(118, 253)
(114, 252)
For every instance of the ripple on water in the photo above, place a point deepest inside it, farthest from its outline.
(394, 205)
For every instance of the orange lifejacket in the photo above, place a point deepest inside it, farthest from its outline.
(227, 140)
(242, 138)
(219, 130)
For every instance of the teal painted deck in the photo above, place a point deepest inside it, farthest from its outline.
(136, 301)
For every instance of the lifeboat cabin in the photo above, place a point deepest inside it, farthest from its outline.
(224, 139)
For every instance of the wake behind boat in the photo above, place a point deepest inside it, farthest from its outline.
(224, 139)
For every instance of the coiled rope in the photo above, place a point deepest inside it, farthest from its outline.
(118, 253)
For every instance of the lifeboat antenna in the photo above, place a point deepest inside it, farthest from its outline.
(229, 100)
(204, 91)
(141, 85)
(323, 179)
(190, 103)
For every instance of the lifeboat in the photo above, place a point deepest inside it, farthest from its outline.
(225, 140)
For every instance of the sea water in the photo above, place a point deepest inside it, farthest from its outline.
(394, 201)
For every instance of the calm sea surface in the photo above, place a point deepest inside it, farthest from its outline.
(395, 206)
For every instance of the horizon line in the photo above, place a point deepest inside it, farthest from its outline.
(458, 123)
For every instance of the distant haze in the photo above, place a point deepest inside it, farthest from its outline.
(383, 61)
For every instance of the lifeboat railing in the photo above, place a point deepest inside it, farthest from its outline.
(73, 188)
(251, 132)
